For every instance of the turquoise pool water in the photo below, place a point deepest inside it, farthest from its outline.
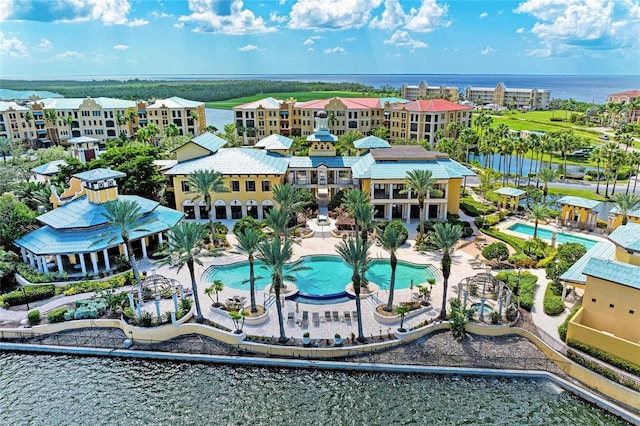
(327, 275)
(546, 234)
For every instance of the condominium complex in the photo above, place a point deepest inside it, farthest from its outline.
(630, 101)
(60, 119)
(509, 97)
(404, 119)
(424, 91)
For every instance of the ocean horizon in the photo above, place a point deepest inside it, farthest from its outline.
(585, 88)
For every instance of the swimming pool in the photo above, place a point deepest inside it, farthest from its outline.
(546, 234)
(326, 277)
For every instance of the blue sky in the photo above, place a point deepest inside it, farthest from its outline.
(141, 37)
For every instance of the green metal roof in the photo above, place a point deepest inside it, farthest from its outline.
(578, 202)
(234, 161)
(602, 250)
(445, 168)
(51, 241)
(371, 142)
(313, 162)
(275, 141)
(208, 141)
(81, 213)
(50, 168)
(614, 271)
(630, 213)
(512, 192)
(627, 236)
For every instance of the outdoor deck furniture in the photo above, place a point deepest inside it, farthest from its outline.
(347, 316)
(291, 317)
(354, 315)
(316, 318)
(327, 316)
(336, 316)
(305, 319)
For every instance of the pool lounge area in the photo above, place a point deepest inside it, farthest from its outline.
(547, 234)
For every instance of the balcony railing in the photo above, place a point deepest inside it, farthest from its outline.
(379, 195)
(399, 194)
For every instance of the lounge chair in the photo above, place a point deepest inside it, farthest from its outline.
(291, 317)
(336, 316)
(305, 319)
(327, 316)
(347, 316)
(316, 318)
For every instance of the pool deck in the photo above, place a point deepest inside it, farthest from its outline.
(552, 226)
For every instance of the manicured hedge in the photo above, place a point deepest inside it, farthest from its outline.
(603, 371)
(33, 317)
(526, 288)
(27, 294)
(517, 243)
(475, 208)
(606, 357)
(552, 304)
(88, 286)
(562, 328)
(57, 315)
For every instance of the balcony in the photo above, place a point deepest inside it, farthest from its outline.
(379, 194)
(398, 194)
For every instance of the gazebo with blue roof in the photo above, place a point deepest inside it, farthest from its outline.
(72, 233)
(509, 197)
(578, 212)
(370, 142)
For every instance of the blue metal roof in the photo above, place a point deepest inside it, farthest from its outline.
(50, 241)
(512, 192)
(275, 141)
(50, 168)
(81, 213)
(371, 142)
(99, 174)
(630, 213)
(614, 271)
(578, 202)
(627, 236)
(234, 161)
(602, 250)
(445, 168)
(334, 162)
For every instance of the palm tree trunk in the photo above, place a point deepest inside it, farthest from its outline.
(446, 271)
(635, 182)
(132, 261)
(564, 172)
(598, 184)
(628, 183)
(421, 213)
(356, 290)
(615, 180)
(212, 227)
(252, 286)
(194, 287)
(392, 283)
(535, 230)
(276, 289)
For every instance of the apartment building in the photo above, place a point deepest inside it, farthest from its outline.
(14, 124)
(503, 96)
(424, 91)
(188, 116)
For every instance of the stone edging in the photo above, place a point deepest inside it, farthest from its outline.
(383, 319)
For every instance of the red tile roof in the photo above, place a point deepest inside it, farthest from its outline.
(433, 105)
(630, 93)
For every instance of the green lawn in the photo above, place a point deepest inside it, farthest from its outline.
(584, 193)
(299, 96)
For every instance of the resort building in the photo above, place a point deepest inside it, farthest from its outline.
(578, 212)
(609, 318)
(629, 98)
(405, 119)
(77, 239)
(15, 126)
(424, 91)
(187, 116)
(251, 172)
(509, 97)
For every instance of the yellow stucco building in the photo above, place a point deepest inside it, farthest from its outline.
(578, 212)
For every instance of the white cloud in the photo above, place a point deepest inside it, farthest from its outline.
(331, 14)
(209, 16)
(44, 45)
(69, 54)
(249, 48)
(310, 49)
(178, 25)
(520, 30)
(12, 46)
(568, 26)
(6, 9)
(120, 47)
(336, 49)
(137, 23)
(483, 15)
(403, 39)
(275, 18)
(307, 42)
(428, 17)
(487, 50)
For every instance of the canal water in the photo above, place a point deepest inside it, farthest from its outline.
(530, 165)
(43, 389)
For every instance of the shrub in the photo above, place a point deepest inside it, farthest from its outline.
(526, 287)
(562, 328)
(400, 229)
(522, 261)
(33, 317)
(552, 304)
(460, 316)
(622, 364)
(518, 244)
(28, 294)
(496, 251)
(603, 371)
(57, 315)
(247, 222)
(475, 208)
(542, 263)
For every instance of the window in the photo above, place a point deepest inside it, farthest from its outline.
(235, 186)
(611, 305)
(631, 311)
(185, 186)
(250, 186)
(266, 186)
(189, 212)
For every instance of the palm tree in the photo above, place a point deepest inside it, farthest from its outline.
(278, 221)
(626, 203)
(185, 243)
(634, 161)
(346, 140)
(444, 237)
(51, 117)
(391, 240)
(193, 116)
(537, 213)
(288, 198)
(125, 218)
(597, 155)
(171, 132)
(420, 182)
(248, 241)
(356, 253)
(546, 176)
(5, 147)
(28, 117)
(68, 120)
(352, 200)
(610, 149)
(121, 120)
(216, 288)
(363, 215)
(275, 255)
(203, 182)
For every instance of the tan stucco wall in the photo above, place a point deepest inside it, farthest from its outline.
(190, 151)
(622, 256)
(259, 196)
(453, 194)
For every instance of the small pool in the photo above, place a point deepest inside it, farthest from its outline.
(486, 311)
(546, 234)
(326, 277)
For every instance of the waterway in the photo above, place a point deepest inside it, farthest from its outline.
(44, 389)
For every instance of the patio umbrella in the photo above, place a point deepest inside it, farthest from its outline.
(411, 286)
(297, 307)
